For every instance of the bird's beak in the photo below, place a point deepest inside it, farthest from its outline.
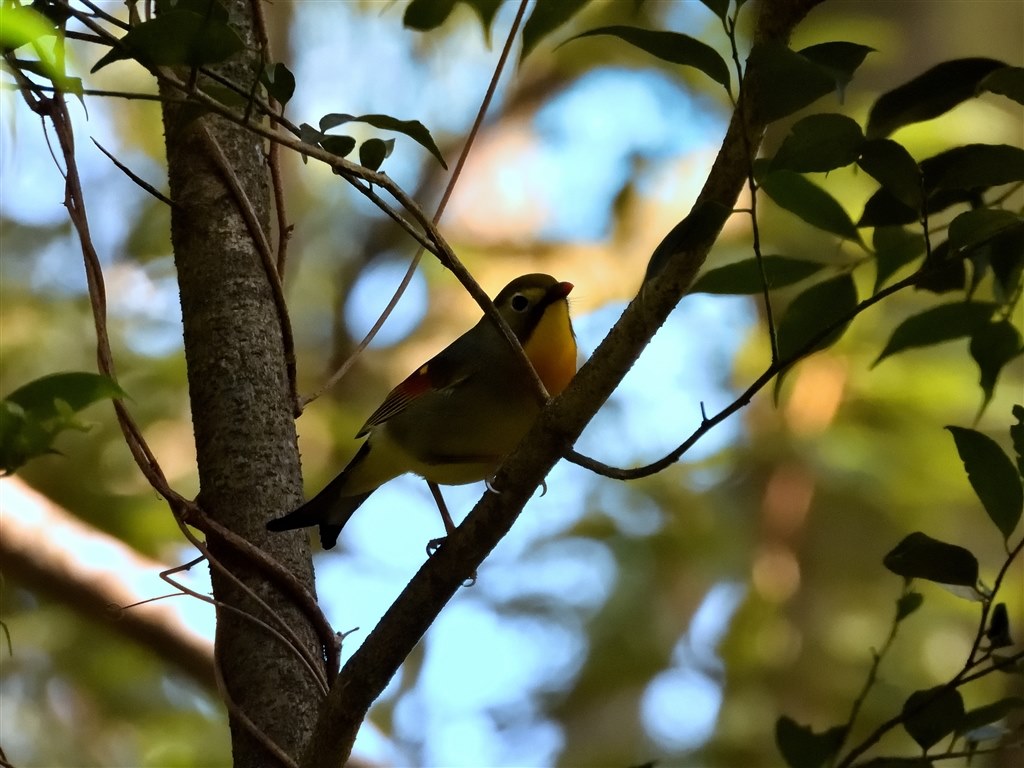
(560, 291)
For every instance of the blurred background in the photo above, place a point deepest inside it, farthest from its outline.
(672, 618)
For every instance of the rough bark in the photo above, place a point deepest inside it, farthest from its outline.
(241, 410)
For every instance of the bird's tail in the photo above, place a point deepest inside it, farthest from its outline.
(329, 509)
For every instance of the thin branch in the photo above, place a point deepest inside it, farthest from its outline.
(135, 177)
(446, 195)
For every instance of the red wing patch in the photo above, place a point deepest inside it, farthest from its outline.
(398, 399)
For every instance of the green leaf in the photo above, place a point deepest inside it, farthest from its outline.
(1008, 81)
(718, 7)
(998, 631)
(993, 345)
(373, 152)
(547, 16)
(414, 129)
(907, 603)
(919, 556)
(33, 416)
(819, 143)
(427, 14)
(803, 748)
(338, 145)
(840, 59)
(972, 228)
(744, 277)
(942, 271)
(814, 310)
(177, 38)
(974, 166)
(993, 477)
(810, 202)
(894, 247)
(673, 47)
(936, 325)
(789, 81)
(931, 714)
(928, 95)
(891, 165)
(279, 82)
(1017, 437)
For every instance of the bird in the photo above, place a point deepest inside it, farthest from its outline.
(455, 418)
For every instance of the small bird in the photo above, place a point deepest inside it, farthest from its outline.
(457, 416)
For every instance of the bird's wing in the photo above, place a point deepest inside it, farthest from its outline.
(435, 376)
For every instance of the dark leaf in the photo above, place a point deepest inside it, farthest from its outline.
(993, 477)
(972, 228)
(998, 632)
(897, 762)
(427, 14)
(673, 47)
(819, 143)
(803, 748)
(928, 95)
(744, 277)
(372, 152)
(546, 17)
(936, 325)
(718, 7)
(486, 10)
(892, 166)
(177, 38)
(338, 145)
(991, 713)
(279, 82)
(1008, 81)
(919, 556)
(206, 8)
(884, 209)
(814, 310)
(414, 129)
(810, 202)
(931, 714)
(942, 271)
(907, 604)
(974, 166)
(894, 247)
(1017, 437)
(1006, 257)
(840, 59)
(993, 345)
(789, 81)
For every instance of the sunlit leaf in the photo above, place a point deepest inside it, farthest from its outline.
(803, 748)
(414, 129)
(932, 714)
(789, 81)
(936, 325)
(819, 143)
(919, 556)
(673, 47)
(1008, 81)
(928, 95)
(974, 166)
(546, 17)
(894, 247)
(892, 166)
(744, 277)
(810, 202)
(992, 475)
(993, 345)
(177, 38)
(811, 312)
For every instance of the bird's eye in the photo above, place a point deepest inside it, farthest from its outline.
(520, 302)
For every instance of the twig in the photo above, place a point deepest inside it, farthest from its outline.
(135, 177)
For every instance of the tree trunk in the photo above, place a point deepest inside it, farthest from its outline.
(241, 412)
